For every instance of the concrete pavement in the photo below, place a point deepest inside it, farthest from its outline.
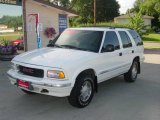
(116, 99)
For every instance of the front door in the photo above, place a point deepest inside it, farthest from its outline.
(110, 62)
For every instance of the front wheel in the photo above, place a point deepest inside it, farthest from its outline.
(83, 91)
(132, 74)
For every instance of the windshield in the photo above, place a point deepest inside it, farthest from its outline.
(80, 40)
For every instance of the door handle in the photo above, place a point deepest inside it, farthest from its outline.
(120, 54)
(132, 51)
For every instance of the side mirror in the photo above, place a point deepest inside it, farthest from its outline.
(108, 48)
(50, 41)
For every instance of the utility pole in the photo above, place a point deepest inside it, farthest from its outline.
(24, 25)
(94, 12)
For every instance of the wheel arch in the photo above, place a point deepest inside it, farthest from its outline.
(137, 58)
(91, 72)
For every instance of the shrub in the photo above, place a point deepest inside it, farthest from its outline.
(50, 32)
(6, 48)
(4, 42)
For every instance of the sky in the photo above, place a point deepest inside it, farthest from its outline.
(125, 5)
(13, 10)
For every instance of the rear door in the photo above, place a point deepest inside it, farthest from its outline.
(138, 44)
(127, 51)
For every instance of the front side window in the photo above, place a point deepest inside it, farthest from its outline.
(126, 41)
(80, 39)
(111, 39)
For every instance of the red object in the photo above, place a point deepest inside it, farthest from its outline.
(23, 84)
(37, 21)
(15, 42)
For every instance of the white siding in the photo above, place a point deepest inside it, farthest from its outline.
(127, 21)
(48, 18)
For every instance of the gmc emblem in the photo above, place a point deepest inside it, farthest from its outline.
(27, 70)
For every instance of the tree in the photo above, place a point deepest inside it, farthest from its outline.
(149, 7)
(137, 5)
(137, 22)
(12, 21)
(106, 10)
(85, 10)
(63, 3)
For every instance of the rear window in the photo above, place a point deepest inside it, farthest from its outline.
(125, 39)
(136, 37)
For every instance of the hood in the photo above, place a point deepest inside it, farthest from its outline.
(52, 57)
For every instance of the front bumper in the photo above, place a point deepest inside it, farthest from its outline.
(41, 85)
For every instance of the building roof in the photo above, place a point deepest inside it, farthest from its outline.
(70, 12)
(127, 16)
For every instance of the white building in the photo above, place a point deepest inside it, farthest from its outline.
(50, 16)
(3, 27)
(8, 30)
(124, 19)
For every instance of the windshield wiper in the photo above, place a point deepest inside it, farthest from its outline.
(54, 45)
(74, 47)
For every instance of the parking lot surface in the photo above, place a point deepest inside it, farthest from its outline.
(116, 99)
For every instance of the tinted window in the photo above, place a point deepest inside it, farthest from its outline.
(136, 37)
(80, 39)
(111, 39)
(126, 41)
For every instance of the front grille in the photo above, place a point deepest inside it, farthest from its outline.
(31, 71)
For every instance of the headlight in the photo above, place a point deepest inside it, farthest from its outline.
(55, 74)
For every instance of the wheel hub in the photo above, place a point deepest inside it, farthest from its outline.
(86, 91)
(134, 71)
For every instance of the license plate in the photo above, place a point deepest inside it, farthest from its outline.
(23, 84)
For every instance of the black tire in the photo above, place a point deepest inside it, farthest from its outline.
(27, 92)
(132, 74)
(76, 97)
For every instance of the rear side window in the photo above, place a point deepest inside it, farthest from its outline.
(136, 37)
(126, 41)
(111, 39)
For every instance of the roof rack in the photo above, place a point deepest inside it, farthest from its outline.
(110, 27)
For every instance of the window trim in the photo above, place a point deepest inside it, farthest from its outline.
(139, 43)
(98, 50)
(130, 45)
(104, 35)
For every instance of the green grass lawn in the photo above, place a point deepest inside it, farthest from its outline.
(151, 41)
(10, 36)
(153, 37)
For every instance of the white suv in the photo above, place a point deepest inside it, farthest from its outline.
(76, 61)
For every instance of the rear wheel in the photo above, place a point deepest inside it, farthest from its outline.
(132, 74)
(83, 91)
